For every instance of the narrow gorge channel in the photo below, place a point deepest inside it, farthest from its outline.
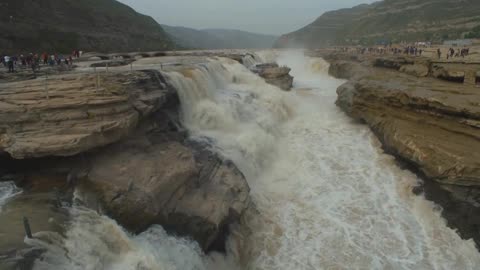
(325, 195)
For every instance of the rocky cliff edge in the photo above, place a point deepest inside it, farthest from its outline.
(117, 135)
(429, 119)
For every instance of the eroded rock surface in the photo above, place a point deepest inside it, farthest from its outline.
(118, 138)
(70, 114)
(431, 125)
(418, 70)
(142, 182)
(434, 124)
(275, 75)
(448, 74)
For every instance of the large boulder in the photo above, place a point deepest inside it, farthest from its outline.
(275, 75)
(417, 70)
(345, 69)
(141, 183)
(136, 182)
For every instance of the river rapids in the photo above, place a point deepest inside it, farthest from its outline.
(326, 195)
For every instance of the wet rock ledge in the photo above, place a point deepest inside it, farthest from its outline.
(274, 75)
(118, 136)
(428, 119)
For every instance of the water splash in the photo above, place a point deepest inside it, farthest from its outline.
(97, 242)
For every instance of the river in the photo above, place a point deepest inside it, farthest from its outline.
(326, 195)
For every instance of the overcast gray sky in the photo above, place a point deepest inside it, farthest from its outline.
(261, 16)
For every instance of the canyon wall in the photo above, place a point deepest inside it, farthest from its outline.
(430, 122)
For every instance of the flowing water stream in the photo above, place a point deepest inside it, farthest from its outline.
(327, 197)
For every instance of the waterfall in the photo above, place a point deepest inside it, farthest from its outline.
(225, 102)
(326, 195)
(249, 60)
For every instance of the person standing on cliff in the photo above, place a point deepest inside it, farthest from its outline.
(439, 53)
(33, 65)
(5, 60)
(45, 58)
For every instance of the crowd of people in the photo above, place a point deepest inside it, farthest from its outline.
(451, 53)
(34, 60)
(418, 49)
(410, 50)
(459, 53)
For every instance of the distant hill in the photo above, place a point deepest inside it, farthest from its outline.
(243, 40)
(218, 38)
(193, 39)
(89, 25)
(324, 30)
(390, 20)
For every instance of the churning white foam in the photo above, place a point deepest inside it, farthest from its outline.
(327, 197)
(97, 242)
(7, 191)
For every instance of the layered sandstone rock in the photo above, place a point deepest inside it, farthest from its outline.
(448, 73)
(70, 114)
(433, 124)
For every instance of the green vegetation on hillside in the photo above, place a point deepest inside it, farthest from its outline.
(89, 25)
(218, 38)
(475, 33)
(189, 38)
(390, 21)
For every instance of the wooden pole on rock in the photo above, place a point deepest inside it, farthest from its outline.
(28, 230)
(46, 85)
